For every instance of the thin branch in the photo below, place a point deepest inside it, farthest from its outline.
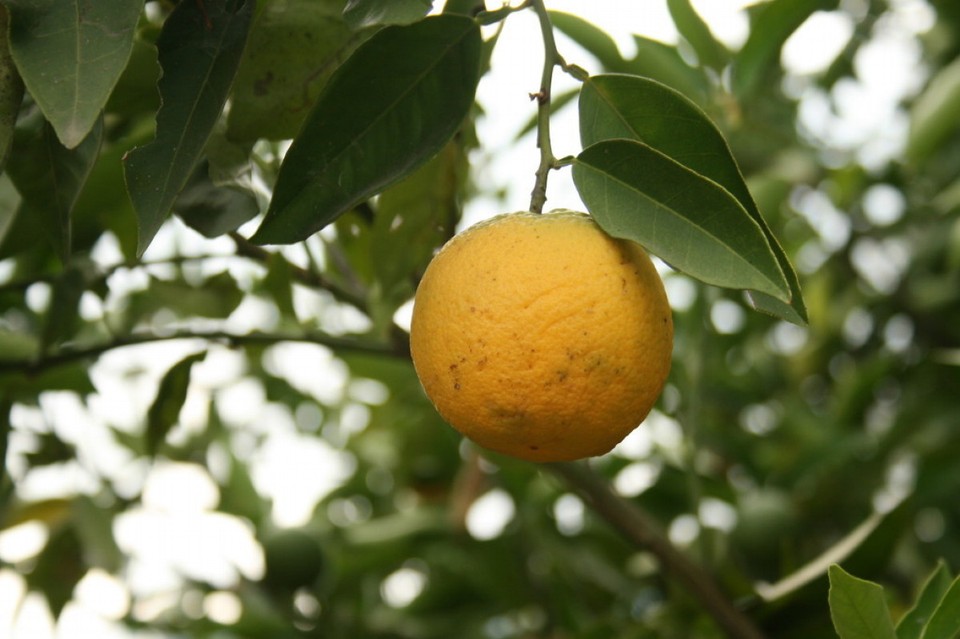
(638, 527)
(75, 353)
(551, 58)
(248, 249)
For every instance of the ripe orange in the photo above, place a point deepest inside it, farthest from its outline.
(541, 337)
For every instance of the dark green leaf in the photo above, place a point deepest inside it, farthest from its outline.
(858, 607)
(10, 205)
(294, 48)
(199, 51)
(135, 93)
(366, 13)
(50, 176)
(622, 106)
(70, 54)
(59, 567)
(773, 23)
(27, 386)
(933, 117)
(278, 284)
(164, 412)
(692, 27)
(213, 210)
(63, 315)
(911, 625)
(637, 193)
(945, 621)
(390, 107)
(11, 90)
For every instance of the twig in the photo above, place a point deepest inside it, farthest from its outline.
(551, 58)
(634, 524)
(70, 354)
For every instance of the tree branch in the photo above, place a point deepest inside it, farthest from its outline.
(70, 354)
(634, 524)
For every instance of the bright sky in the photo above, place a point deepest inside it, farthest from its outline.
(179, 500)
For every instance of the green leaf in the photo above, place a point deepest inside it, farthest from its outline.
(50, 176)
(59, 567)
(638, 193)
(199, 51)
(911, 625)
(631, 107)
(695, 31)
(213, 210)
(164, 412)
(294, 48)
(933, 117)
(858, 607)
(216, 297)
(595, 40)
(70, 54)
(773, 23)
(945, 621)
(416, 215)
(662, 62)
(63, 315)
(11, 90)
(366, 13)
(389, 108)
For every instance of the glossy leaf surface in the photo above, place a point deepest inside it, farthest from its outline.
(199, 50)
(390, 108)
(858, 607)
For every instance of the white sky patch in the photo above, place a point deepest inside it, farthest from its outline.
(490, 514)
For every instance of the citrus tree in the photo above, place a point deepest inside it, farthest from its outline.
(214, 216)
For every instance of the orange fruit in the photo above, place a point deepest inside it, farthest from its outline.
(542, 337)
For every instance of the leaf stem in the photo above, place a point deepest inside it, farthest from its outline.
(551, 59)
(638, 527)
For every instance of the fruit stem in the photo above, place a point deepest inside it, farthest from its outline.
(638, 527)
(551, 58)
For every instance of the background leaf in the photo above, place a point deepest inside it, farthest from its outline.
(50, 177)
(70, 54)
(11, 90)
(858, 607)
(164, 412)
(933, 117)
(294, 48)
(911, 625)
(199, 50)
(213, 210)
(637, 193)
(631, 107)
(391, 106)
(366, 13)
(770, 26)
(694, 30)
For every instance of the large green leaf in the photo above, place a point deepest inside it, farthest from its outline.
(366, 13)
(858, 607)
(70, 54)
(164, 412)
(213, 210)
(390, 107)
(945, 621)
(771, 25)
(49, 177)
(295, 46)
(911, 625)
(638, 193)
(11, 90)
(933, 117)
(632, 107)
(199, 51)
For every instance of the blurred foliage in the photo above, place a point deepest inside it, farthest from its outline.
(770, 445)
